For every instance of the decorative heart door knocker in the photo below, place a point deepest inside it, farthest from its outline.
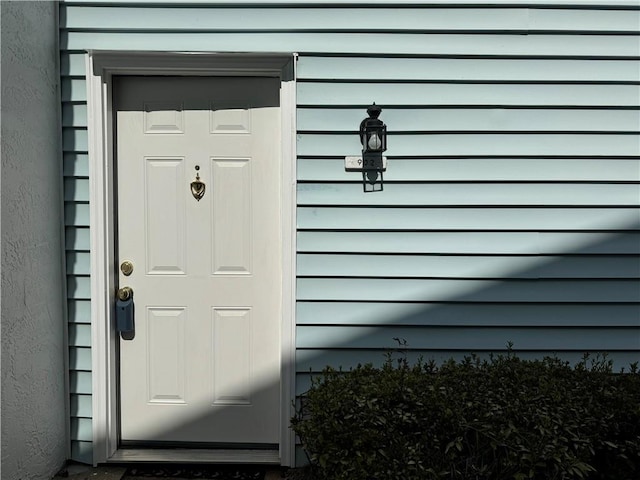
(197, 186)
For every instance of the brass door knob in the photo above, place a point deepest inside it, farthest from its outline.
(125, 293)
(126, 268)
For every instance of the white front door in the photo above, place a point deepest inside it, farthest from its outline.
(204, 365)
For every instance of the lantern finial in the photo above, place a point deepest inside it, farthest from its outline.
(374, 111)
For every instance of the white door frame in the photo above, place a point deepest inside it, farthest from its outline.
(101, 67)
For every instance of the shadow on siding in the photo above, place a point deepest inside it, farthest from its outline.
(566, 316)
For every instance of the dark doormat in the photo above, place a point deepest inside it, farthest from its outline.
(205, 472)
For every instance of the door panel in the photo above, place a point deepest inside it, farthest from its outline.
(204, 365)
(165, 224)
(232, 232)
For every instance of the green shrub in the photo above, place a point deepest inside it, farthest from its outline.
(502, 418)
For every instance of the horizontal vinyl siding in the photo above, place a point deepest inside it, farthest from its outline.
(467, 95)
(351, 19)
(428, 169)
(465, 266)
(355, 43)
(498, 222)
(521, 69)
(493, 165)
(427, 218)
(379, 313)
(531, 243)
(510, 209)
(433, 119)
(77, 240)
(464, 194)
(482, 144)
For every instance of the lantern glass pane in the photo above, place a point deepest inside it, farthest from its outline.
(374, 141)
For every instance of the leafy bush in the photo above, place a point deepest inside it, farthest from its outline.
(502, 418)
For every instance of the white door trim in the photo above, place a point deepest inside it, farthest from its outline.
(101, 66)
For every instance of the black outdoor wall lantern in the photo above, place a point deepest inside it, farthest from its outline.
(373, 137)
(373, 132)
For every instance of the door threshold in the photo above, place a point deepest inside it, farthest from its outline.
(189, 455)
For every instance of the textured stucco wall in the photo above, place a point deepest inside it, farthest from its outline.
(34, 444)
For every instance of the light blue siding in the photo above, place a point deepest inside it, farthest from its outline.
(471, 338)
(457, 69)
(475, 243)
(80, 358)
(476, 119)
(425, 169)
(74, 115)
(81, 429)
(77, 238)
(483, 144)
(76, 214)
(76, 165)
(79, 311)
(463, 290)
(73, 90)
(350, 19)
(75, 139)
(465, 95)
(81, 406)
(466, 314)
(464, 218)
(76, 189)
(510, 212)
(78, 263)
(82, 451)
(464, 194)
(80, 335)
(358, 43)
(80, 382)
(79, 287)
(76, 194)
(72, 64)
(476, 266)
